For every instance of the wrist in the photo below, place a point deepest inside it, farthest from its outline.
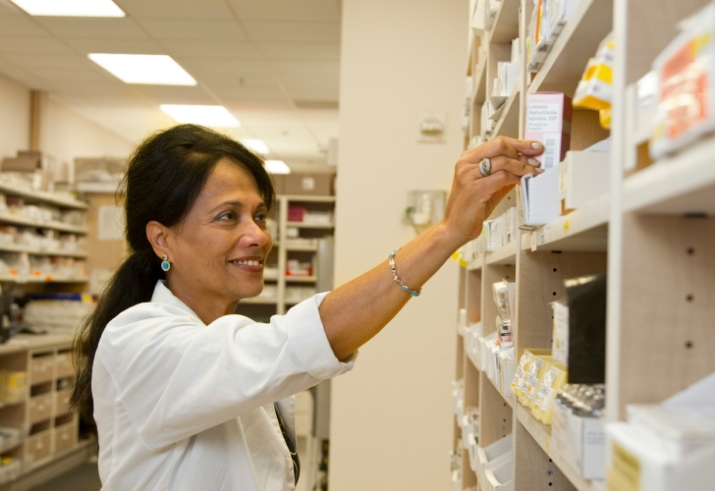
(451, 238)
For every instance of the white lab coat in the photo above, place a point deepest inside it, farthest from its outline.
(181, 406)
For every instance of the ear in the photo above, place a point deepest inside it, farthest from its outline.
(157, 235)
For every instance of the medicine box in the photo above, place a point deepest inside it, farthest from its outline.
(548, 120)
(578, 441)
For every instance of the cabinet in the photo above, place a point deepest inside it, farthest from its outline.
(653, 234)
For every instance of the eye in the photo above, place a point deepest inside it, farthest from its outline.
(261, 217)
(227, 215)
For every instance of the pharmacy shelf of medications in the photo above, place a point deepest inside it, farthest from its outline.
(259, 301)
(541, 434)
(505, 26)
(55, 199)
(310, 225)
(20, 280)
(300, 279)
(584, 229)
(508, 123)
(505, 254)
(37, 426)
(41, 252)
(16, 219)
(582, 31)
(678, 184)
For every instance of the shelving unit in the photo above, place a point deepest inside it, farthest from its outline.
(50, 444)
(263, 307)
(653, 233)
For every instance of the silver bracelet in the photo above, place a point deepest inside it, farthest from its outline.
(405, 288)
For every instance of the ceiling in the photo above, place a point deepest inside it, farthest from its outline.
(273, 63)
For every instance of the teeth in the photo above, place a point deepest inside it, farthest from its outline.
(248, 262)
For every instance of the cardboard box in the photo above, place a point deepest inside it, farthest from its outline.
(305, 184)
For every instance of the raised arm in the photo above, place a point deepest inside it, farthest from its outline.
(358, 310)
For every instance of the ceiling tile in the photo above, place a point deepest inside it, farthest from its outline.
(44, 45)
(238, 66)
(175, 94)
(307, 67)
(288, 10)
(211, 49)
(20, 25)
(176, 9)
(194, 29)
(242, 92)
(33, 60)
(7, 8)
(116, 45)
(216, 80)
(307, 81)
(315, 32)
(314, 94)
(83, 27)
(301, 51)
(85, 76)
(14, 72)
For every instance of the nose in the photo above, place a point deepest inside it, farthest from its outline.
(254, 236)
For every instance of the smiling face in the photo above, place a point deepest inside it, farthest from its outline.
(217, 252)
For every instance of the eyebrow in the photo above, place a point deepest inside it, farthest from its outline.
(238, 204)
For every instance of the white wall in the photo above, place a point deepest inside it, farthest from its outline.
(66, 135)
(14, 117)
(392, 424)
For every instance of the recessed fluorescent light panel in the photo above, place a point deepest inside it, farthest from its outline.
(277, 167)
(256, 145)
(70, 8)
(203, 115)
(143, 69)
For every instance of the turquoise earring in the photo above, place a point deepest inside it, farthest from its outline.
(165, 265)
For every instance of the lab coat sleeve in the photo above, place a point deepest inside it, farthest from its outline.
(176, 377)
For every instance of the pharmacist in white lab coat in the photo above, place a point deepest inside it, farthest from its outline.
(185, 394)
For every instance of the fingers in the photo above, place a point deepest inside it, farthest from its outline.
(502, 145)
(495, 182)
(521, 167)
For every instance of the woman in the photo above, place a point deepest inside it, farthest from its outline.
(183, 391)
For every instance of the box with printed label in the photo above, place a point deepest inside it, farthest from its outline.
(548, 120)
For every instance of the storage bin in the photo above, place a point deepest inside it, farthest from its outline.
(41, 407)
(499, 477)
(493, 456)
(42, 369)
(65, 437)
(62, 402)
(65, 367)
(38, 447)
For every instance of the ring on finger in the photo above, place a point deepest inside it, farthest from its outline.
(485, 167)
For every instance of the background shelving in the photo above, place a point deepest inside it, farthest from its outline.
(653, 232)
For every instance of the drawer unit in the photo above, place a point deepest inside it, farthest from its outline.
(41, 407)
(65, 367)
(42, 369)
(65, 437)
(38, 447)
(62, 402)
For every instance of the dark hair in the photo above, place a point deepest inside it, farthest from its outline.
(164, 177)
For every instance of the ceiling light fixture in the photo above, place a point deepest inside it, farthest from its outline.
(277, 167)
(203, 115)
(256, 145)
(70, 8)
(143, 69)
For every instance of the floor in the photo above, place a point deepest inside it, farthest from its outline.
(82, 478)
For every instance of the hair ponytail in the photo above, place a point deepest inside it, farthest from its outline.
(163, 179)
